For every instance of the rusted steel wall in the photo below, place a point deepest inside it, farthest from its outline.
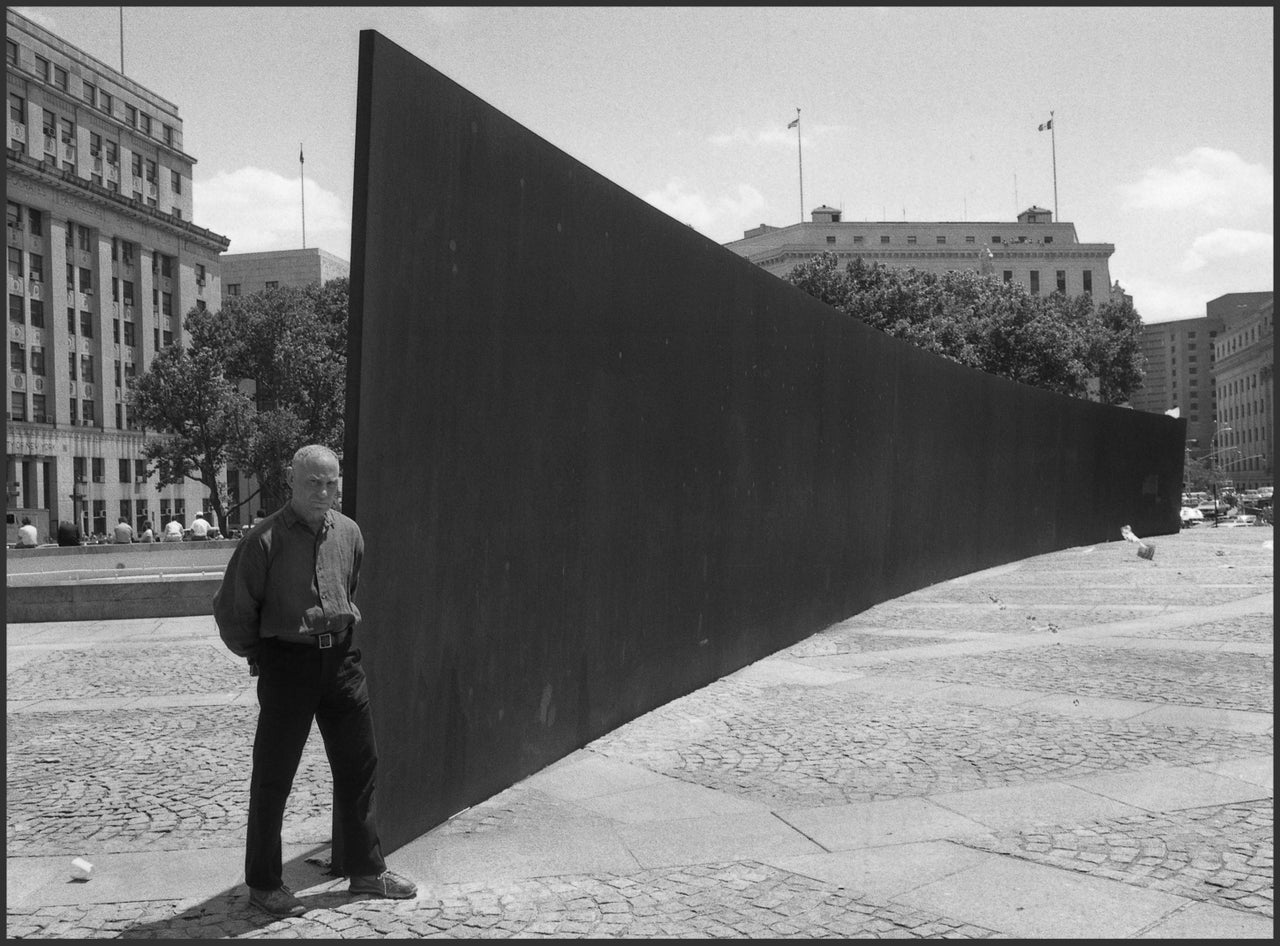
(601, 461)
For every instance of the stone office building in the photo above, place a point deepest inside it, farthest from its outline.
(1042, 255)
(103, 263)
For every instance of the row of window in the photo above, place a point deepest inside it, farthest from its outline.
(1060, 281)
(939, 239)
(82, 411)
(92, 95)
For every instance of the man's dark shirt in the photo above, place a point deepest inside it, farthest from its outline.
(291, 582)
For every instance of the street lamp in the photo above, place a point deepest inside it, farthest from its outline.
(1218, 428)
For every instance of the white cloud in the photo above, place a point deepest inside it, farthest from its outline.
(710, 216)
(1205, 180)
(261, 210)
(1230, 246)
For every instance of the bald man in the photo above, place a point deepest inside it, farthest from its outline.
(292, 583)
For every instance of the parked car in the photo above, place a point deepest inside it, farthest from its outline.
(1191, 516)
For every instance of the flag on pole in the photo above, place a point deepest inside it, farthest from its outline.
(795, 121)
(1046, 125)
(300, 161)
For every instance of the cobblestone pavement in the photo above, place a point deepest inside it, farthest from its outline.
(141, 743)
(1221, 853)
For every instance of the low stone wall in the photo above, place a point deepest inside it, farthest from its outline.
(111, 582)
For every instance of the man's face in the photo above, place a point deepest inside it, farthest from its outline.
(315, 487)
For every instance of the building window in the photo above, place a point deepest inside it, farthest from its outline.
(1048, 239)
(135, 164)
(11, 52)
(71, 321)
(17, 405)
(129, 338)
(273, 285)
(86, 324)
(86, 280)
(86, 238)
(71, 371)
(128, 290)
(37, 313)
(200, 306)
(35, 267)
(884, 239)
(1088, 281)
(37, 362)
(166, 266)
(36, 221)
(17, 357)
(42, 68)
(95, 144)
(124, 471)
(996, 238)
(146, 123)
(86, 369)
(1008, 275)
(831, 239)
(15, 263)
(131, 118)
(90, 92)
(942, 239)
(87, 417)
(1035, 282)
(911, 239)
(15, 310)
(970, 239)
(60, 77)
(176, 180)
(166, 303)
(151, 171)
(17, 109)
(168, 135)
(104, 101)
(1062, 281)
(857, 239)
(233, 289)
(118, 376)
(38, 414)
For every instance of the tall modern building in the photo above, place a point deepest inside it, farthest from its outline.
(246, 273)
(1216, 370)
(99, 193)
(1042, 255)
(1244, 365)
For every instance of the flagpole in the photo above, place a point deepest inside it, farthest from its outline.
(800, 154)
(1053, 144)
(303, 184)
(122, 41)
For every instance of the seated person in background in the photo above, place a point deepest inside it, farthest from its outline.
(123, 532)
(28, 538)
(69, 533)
(147, 534)
(172, 531)
(199, 529)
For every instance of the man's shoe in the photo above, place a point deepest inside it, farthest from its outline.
(388, 885)
(278, 902)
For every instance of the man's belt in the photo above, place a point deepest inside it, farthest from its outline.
(329, 638)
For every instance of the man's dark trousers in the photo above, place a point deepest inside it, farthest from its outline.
(296, 683)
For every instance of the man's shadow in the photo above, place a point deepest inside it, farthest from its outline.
(229, 914)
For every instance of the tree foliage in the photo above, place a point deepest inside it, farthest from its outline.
(1056, 342)
(278, 358)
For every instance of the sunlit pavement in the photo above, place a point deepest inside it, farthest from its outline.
(1076, 745)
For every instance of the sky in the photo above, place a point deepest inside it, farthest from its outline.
(1163, 116)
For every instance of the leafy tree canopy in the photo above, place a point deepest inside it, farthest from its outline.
(1056, 342)
(277, 360)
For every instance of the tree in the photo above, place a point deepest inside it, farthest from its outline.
(272, 377)
(1056, 342)
(186, 396)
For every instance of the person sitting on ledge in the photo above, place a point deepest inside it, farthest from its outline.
(28, 537)
(69, 533)
(123, 532)
(199, 528)
(172, 531)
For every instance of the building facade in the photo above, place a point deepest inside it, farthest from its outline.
(103, 263)
(246, 273)
(1178, 361)
(1246, 431)
(1044, 256)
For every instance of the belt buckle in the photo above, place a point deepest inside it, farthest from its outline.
(324, 641)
